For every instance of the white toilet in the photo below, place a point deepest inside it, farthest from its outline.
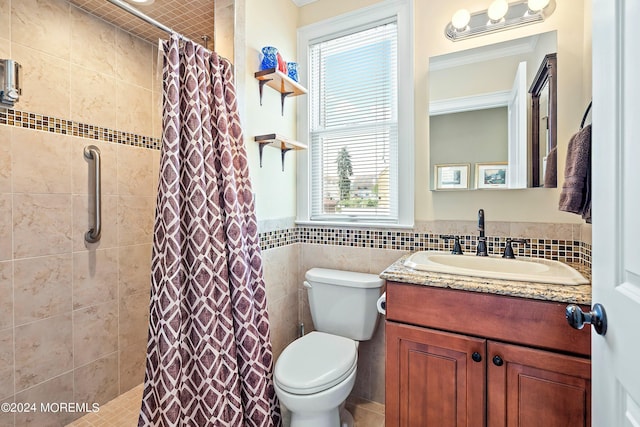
(315, 373)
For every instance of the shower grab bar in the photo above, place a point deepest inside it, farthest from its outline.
(91, 152)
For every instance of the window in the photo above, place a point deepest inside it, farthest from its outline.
(358, 126)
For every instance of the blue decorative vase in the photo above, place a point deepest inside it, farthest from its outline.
(292, 70)
(269, 58)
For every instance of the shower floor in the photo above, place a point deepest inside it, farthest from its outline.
(120, 412)
(123, 412)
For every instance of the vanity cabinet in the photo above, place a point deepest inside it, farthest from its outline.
(459, 358)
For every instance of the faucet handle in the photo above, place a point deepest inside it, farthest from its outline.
(457, 249)
(508, 249)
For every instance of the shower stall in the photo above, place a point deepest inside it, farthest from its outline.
(74, 313)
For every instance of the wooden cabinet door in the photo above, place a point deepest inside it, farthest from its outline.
(533, 388)
(432, 379)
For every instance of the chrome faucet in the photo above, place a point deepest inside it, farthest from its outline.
(481, 249)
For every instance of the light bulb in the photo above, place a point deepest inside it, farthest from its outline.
(141, 2)
(497, 10)
(460, 19)
(537, 5)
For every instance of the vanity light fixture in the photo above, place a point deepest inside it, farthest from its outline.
(501, 15)
(460, 20)
(497, 10)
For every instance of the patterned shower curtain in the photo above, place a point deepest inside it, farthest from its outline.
(209, 358)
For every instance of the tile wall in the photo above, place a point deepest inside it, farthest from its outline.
(73, 316)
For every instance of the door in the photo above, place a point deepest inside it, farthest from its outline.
(517, 112)
(433, 378)
(530, 388)
(616, 211)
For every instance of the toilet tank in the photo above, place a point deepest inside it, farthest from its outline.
(343, 302)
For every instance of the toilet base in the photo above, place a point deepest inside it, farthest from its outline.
(329, 418)
(346, 419)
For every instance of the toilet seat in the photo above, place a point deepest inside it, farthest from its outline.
(315, 362)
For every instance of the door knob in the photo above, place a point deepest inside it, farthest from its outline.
(596, 317)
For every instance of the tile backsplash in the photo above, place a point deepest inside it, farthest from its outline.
(568, 249)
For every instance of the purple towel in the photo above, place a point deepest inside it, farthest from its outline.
(576, 190)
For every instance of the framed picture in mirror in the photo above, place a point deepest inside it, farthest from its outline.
(491, 175)
(451, 176)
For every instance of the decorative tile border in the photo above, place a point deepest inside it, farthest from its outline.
(35, 121)
(562, 250)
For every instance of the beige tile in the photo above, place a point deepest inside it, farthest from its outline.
(42, 287)
(5, 47)
(157, 93)
(36, 24)
(135, 220)
(134, 60)
(536, 230)
(6, 226)
(47, 172)
(6, 363)
(93, 42)
(41, 224)
(283, 322)
(95, 277)
(6, 296)
(280, 267)
(383, 258)
(133, 108)
(5, 157)
(5, 19)
(83, 215)
(365, 413)
(134, 269)
(155, 162)
(337, 257)
(7, 419)
(43, 350)
(95, 332)
(97, 382)
(585, 233)
(82, 168)
(134, 320)
(56, 390)
(135, 171)
(44, 79)
(91, 97)
(156, 114)
(132, 366)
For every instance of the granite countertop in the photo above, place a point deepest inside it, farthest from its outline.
(579, 294)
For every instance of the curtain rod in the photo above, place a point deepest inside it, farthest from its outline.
(132, 10)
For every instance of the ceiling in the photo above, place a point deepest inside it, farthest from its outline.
(191, 18)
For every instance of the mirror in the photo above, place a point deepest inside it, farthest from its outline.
(481, 112)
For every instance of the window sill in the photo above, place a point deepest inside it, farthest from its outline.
(355, 224)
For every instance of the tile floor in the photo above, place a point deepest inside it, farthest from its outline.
(120, 412)
(123, 412)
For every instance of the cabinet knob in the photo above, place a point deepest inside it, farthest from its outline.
(497, 360)
(477, 357)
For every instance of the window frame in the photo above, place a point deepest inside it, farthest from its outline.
(400, 10)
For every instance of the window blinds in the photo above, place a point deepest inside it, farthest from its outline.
(354, 125)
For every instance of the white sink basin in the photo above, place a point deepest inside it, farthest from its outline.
(520, 269)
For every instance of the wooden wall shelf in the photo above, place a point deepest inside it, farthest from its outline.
(275, 140)
(279, 82)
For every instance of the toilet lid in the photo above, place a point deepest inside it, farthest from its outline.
(315, 362)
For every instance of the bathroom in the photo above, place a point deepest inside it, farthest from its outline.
(74, 316)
